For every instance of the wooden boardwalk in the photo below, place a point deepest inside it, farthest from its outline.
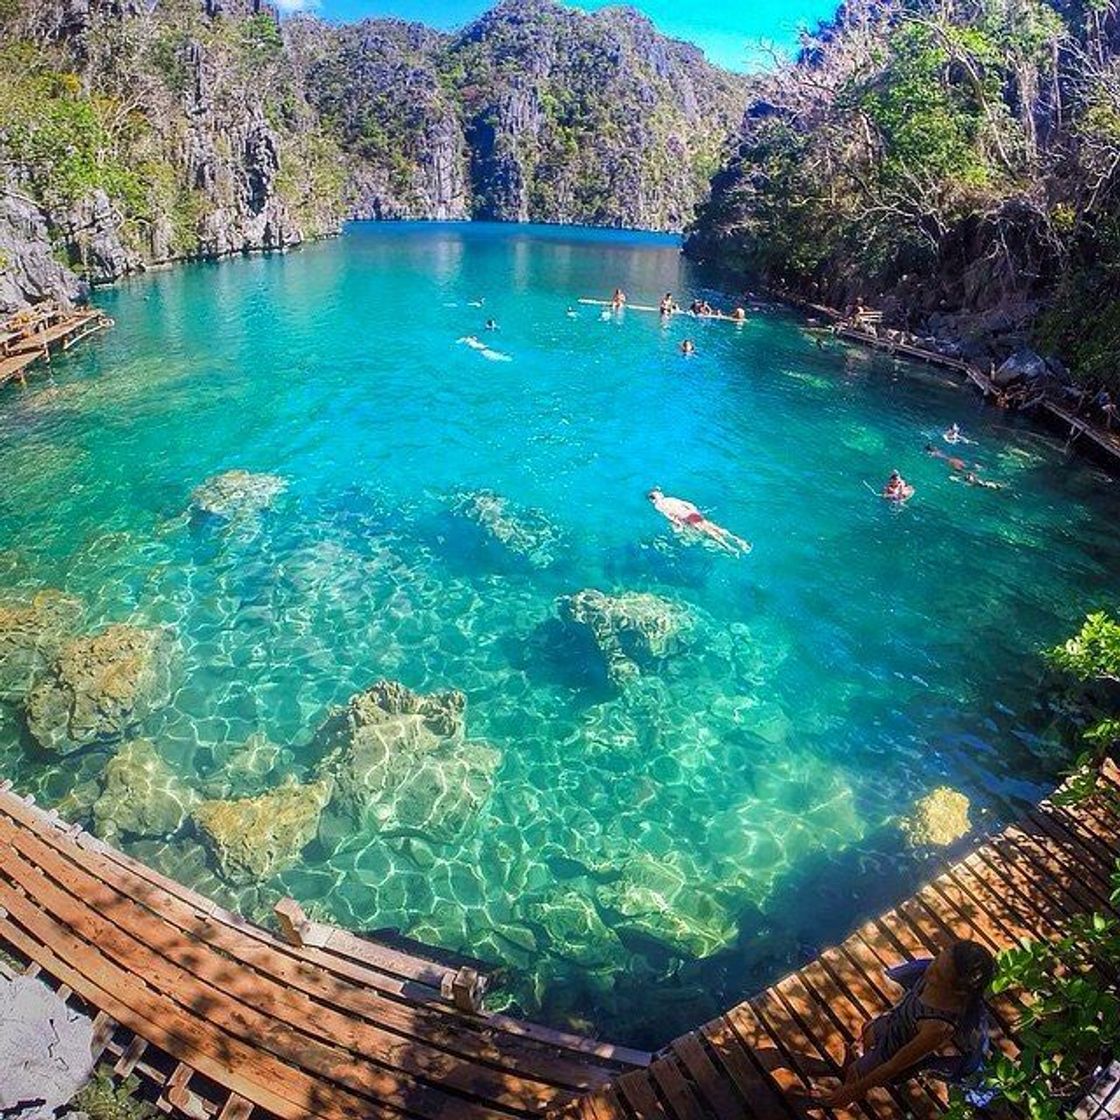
(752, 1062)
(228, 1019)
(23, 345)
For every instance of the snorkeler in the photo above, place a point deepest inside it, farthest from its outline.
(897, 488)
(684, 515)
(688, 348)
(955, 464)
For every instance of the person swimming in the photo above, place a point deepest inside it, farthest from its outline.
(955, 464)
(971, 478)
(684, 515)
(618, 300)
(572, 313)
(739, 315)
(955, 435)
(897, 488)
(667, 306)
(688, 348)
(491, 324)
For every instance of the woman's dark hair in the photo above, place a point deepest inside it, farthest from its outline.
(974, 966)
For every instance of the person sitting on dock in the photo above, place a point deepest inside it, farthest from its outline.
(688, 348)
(618, 300)
(667, 306)
(684, 515)
(939, 1024)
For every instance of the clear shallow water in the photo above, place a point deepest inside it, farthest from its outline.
(748, 785)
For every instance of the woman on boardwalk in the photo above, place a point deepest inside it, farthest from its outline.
(937, 1023)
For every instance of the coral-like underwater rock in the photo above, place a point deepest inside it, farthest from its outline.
(254, 838)
(31, 634)
(938, 819)
(237, 493)
(575, 929)
(247, 769)
(400, 764)
(659, 897)
(526, 533)
(631, 630)
(100, 687)
(142, 796)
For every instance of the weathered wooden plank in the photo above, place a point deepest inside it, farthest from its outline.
(757, 1093)
(716, 1091)
(637, 1090)
(675, 1089)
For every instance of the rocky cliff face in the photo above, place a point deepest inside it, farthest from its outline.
(132, 134)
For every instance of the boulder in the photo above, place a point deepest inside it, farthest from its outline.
(31, 634)
(142, 797)
(100, 687)
(938, 819)
(1023, 365)
(575, 929)
(663, 898)
(237, 493)
(248, 768)
(255, 838)
(631, 630)
(525, 533)
(399, 764)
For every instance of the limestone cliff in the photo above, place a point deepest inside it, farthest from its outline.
(132, 134)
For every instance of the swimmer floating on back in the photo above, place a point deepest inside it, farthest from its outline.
(684, 515)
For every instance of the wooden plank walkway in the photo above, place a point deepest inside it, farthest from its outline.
(753, 1061)
(22, 348)
(228, 1019)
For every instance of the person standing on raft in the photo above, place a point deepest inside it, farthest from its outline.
(684, 515)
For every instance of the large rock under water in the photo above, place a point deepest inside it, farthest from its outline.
(632, 630)
(255, 838)
(938, 819)
(400, 764)
(237, 493)
(525, 533)
(100, 687)
(142, 796)
(31, 634)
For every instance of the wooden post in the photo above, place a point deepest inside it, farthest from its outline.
(292, 921)
(464, 989)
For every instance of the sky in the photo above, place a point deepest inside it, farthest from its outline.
(729, 31)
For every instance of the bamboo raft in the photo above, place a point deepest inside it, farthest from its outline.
(753, 1061)
(29, 337)
(226, 1019)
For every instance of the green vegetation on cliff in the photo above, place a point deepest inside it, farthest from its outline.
(955, 161)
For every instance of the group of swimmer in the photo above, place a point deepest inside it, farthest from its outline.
(668, 307)
(897, 489)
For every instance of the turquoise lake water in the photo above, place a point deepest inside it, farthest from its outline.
(859, 658)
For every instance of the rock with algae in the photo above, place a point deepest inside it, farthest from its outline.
(255, 838)
(526, 533)
(248, 768)
(400, 764)
(938, 819)
(237, 493)
(575, 929)
(142, 796)
(664, 898)
(31, 634)
(100, 687)
(632, 629)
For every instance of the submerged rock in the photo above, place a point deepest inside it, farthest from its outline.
(575, 929)
(658, 897)
(142, 797)
(31, 634)
(248, 768)
(237, 493)
(399, 764)
(631, 630)
(526, 533)
(938, 819)
(254, 838)
(100, 687)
